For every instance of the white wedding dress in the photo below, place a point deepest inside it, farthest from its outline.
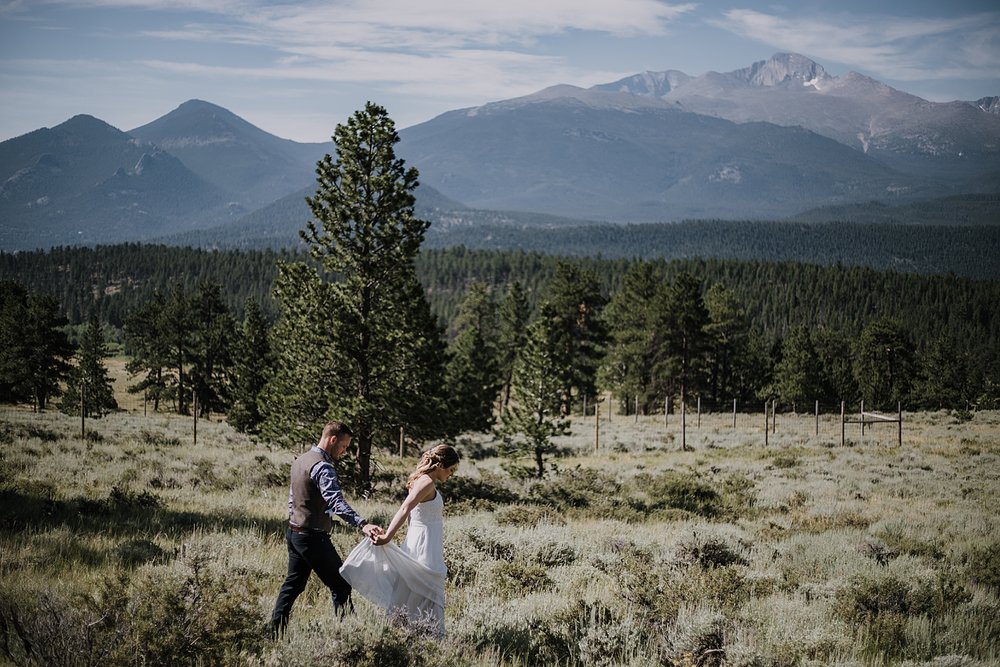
(410, 579)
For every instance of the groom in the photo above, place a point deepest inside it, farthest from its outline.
(313, 499)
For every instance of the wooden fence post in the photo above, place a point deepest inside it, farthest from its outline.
(699, 410)
(597, 428)
(734, 413)
(767, 425)
(843, 417)
(862, 419)
(194, 411)
(817, 418)
(684, 426)
(83, 411)
(637, 408)
(666, 406)
(401, 434)
(899, 416)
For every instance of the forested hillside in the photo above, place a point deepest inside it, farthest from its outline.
(109, 281)
(963, 250)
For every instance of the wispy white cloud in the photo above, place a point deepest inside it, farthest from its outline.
(906, 49)
(484, 49)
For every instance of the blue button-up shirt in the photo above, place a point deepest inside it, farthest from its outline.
(324, 476)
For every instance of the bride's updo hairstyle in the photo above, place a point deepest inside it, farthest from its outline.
(442, 456)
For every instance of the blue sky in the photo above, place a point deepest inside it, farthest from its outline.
(296, 68)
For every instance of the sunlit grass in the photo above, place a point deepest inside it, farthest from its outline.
(802, 551)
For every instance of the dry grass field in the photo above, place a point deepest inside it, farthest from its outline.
(135, 546)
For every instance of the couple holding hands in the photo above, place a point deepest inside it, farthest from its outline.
(407, 580)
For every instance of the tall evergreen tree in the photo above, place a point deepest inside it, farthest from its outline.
(365, 233)
(573, 304)
(798, 377)
(252, 364)
(836, 359)
(514, 315)
(884, 363)
(627, 369)
(90, 376)
(944, 377)
(148, 357)
(307, 364)
(35, 347)
(728, 331)
(681, 338)
(473, 378)
(213, 337)
(533, 417)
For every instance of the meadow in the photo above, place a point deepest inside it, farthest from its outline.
(132, 545)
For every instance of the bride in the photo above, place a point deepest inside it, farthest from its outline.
(409, 580)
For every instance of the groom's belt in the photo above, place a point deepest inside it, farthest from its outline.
(299, 529)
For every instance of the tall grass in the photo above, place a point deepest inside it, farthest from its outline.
(135, 546)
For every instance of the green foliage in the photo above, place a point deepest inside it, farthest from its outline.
(34, 348)
(884, 363)
(90, 376)
(685, 491)
(628, 367)
(681, 338)
(473, 376)
(532, 419)
(513, 316)
(252, 364)
(572, 306)
(517, 578)
(982, 565)
(189, 612)
(798, 376)
(389, 359)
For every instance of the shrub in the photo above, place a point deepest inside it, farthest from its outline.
(576, 488)
(527, 516)
(697, 637)
(461, 489)
(9, 432)
(551, 554)
(709, 551)
(491, 546)
(135, 552)
(683, 491)
(512, 579)
(982, 566)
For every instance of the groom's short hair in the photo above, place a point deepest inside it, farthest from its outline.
(336, 429)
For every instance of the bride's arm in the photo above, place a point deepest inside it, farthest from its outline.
(422, 489)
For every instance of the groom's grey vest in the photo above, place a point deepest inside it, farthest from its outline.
(308, 506)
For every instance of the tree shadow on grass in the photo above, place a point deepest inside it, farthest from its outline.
(132, 521)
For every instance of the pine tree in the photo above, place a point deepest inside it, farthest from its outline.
(35, 348)
(681, 340)
(944, 378)
(514, 314)
(252, 365)
(148, 357)
(533, 417)
(884, 363)
(212, 339)
(297, 395)
(364, 232)
(628, 367)
(798, 377)
(472, 376)
(728, 330)
(573, 304)
(90, 376)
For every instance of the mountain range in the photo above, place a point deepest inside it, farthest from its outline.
(772, 140)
